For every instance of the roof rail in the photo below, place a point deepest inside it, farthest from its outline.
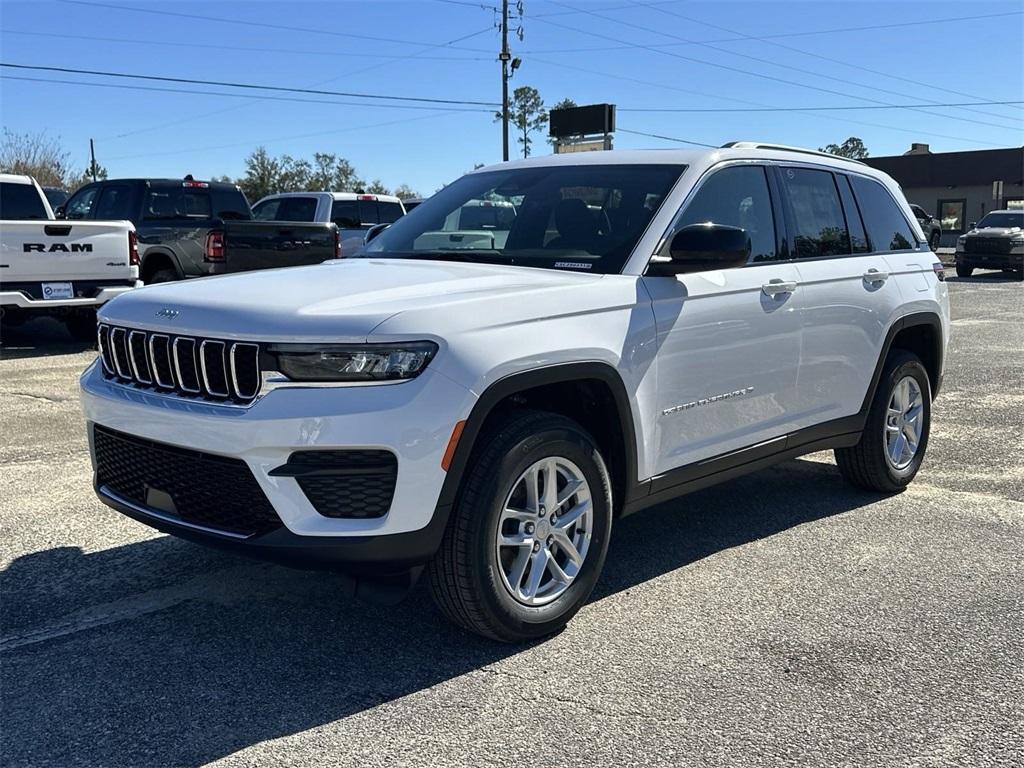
(784, 148)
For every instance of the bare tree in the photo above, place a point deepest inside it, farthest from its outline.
(39, 156)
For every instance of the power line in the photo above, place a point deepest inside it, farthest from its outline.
(783, 46)
(222, 94)
(666, 138)
(245, 22)
(759, 60)
(249, 86)
(780, 35)
(813, 109)
(248, 49)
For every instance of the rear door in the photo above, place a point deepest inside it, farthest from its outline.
(849, 296)
(728, 340)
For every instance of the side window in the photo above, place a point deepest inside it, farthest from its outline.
(854, 222)
(115, 202)
(80, 205)
(738, 197)
(345, 213)
(297, 209)
(887, 228)
(267, 210)
(818, 226)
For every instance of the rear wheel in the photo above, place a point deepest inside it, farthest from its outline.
(529, 533)
(964, 270)
(162, 276)
(81, 324)
(895, 435)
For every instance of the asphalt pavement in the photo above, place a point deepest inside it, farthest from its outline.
(784, 619)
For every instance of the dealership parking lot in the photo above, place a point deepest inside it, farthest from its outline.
(783, 619)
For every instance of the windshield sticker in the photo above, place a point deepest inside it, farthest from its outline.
(573, 265)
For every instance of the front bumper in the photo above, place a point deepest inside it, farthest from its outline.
(1013, 259)
(413, 420)
(24, 301)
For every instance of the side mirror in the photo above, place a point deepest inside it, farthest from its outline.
(60, 212)
(972, 225)
(373, 231)
(702, 247)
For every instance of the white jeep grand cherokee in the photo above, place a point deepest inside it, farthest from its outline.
(647, 323)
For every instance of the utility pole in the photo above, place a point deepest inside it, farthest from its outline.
(92, 160)
(504, 57)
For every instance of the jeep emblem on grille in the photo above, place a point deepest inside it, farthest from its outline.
(169, 313)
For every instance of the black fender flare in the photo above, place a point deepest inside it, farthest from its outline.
(519, 382)
(161, 252)
(912, 320)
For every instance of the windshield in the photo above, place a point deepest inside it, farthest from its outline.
(582, 217)
(1002, 220)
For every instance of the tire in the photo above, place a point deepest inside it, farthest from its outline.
(1020, 273)
(82, 325)
(868, 464)
(163, 276)
(933, 242)
(964, 270)
(471, 575)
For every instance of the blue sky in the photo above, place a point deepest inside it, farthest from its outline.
(582, 49)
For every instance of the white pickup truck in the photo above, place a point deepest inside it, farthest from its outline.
(62, 269)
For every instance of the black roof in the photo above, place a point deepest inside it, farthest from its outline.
(944, 169)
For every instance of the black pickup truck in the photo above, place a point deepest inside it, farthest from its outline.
(188, 228)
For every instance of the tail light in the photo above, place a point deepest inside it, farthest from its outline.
(940, 271)
(215, 246)
(337, 243)
(133, 248)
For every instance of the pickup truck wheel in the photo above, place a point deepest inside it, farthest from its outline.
(81, 325)
(933, 242)
(528, 536)
(964, 270)
(162, 276)
(895, 435)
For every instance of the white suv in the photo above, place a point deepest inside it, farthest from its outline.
(654, 322)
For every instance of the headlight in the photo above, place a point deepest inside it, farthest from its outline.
(353, 362)
(1017, 240)
(961, 240)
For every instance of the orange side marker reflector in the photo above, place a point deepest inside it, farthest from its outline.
(453, 442)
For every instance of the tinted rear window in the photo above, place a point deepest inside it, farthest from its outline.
(389, 212)
(21, 202)
(345, 213)
(487, 217)
(177, 203)
(229, 203)
(888, 230)
(368, 212)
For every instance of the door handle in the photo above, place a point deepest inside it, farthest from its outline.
(776, 286)
(875, 276)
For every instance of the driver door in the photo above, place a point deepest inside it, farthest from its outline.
(728, 339)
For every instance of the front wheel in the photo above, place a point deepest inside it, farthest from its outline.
(892, 446)
(933, 242)
(81, 324)
(529, 533)
(964, 270)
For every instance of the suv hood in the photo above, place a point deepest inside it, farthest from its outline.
(341, 300)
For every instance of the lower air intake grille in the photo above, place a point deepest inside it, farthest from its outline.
(347, 483)
(198, 488)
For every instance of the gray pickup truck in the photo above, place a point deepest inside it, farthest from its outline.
(188, 228)
(995, 242)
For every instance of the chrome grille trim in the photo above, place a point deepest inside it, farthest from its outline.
(148, 379)
(181, 366)
(176, 355)
(202, 366)
(167, 357)
(234, 370)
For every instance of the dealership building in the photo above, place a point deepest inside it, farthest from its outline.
(958, 187)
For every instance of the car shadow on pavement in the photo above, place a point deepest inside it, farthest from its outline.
(997, 276)
(43, 337)
(165, 653)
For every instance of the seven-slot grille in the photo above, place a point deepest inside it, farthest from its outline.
(211, 369)
(988, 245)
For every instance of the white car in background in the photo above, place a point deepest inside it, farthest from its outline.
(651, 323)
(354, 213)
(62, 269)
